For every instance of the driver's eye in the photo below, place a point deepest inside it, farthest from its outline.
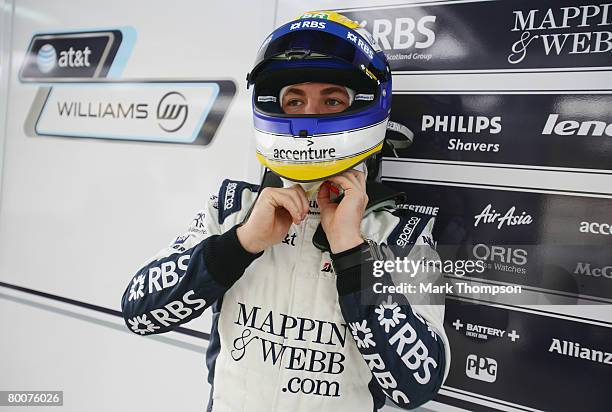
(294, 102)
(333, 102)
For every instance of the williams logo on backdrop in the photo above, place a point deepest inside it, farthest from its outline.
(492, 35)
(65, 56)
(156, 111)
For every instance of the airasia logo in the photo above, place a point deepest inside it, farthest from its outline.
(491, 216)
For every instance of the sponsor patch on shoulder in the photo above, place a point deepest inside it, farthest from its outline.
(408, 229)
(230, 197)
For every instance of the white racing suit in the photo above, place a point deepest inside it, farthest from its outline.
(288, 333)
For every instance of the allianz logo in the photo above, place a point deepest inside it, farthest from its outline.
(574, 127)
(48, 58)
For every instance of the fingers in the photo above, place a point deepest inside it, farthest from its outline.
(292, 200)
(302, 196)
(346, 182)
(350, 179)
(323, 197)
(359, 178)
(353, 184)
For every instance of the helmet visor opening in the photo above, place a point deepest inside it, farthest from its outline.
(269, 84)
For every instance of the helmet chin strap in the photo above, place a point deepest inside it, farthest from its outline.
(311, 188)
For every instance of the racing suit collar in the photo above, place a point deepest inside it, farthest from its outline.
(380, 197)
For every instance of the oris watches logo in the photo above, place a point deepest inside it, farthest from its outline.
(481, 368)
(502, 258)
(172, 111)
(574, 127)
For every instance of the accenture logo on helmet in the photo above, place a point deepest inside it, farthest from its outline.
(55, 56)
(127, 110)
(562, 31)
(305, 154)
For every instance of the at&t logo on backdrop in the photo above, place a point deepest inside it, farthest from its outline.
(75, 55)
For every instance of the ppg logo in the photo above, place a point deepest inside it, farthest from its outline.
(482, 369)
(172, 112)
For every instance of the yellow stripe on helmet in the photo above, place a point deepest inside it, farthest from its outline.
(331, 16)
(315, 171)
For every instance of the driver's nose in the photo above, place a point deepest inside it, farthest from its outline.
(311, 107)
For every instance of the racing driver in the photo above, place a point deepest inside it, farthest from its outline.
(286, 265)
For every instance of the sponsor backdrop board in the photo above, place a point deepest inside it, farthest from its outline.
(79, 212)
(527, 359)
(509, 105)
(526, 238)
(557, 130)
(493, 35)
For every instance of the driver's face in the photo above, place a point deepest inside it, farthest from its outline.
(315, 98)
